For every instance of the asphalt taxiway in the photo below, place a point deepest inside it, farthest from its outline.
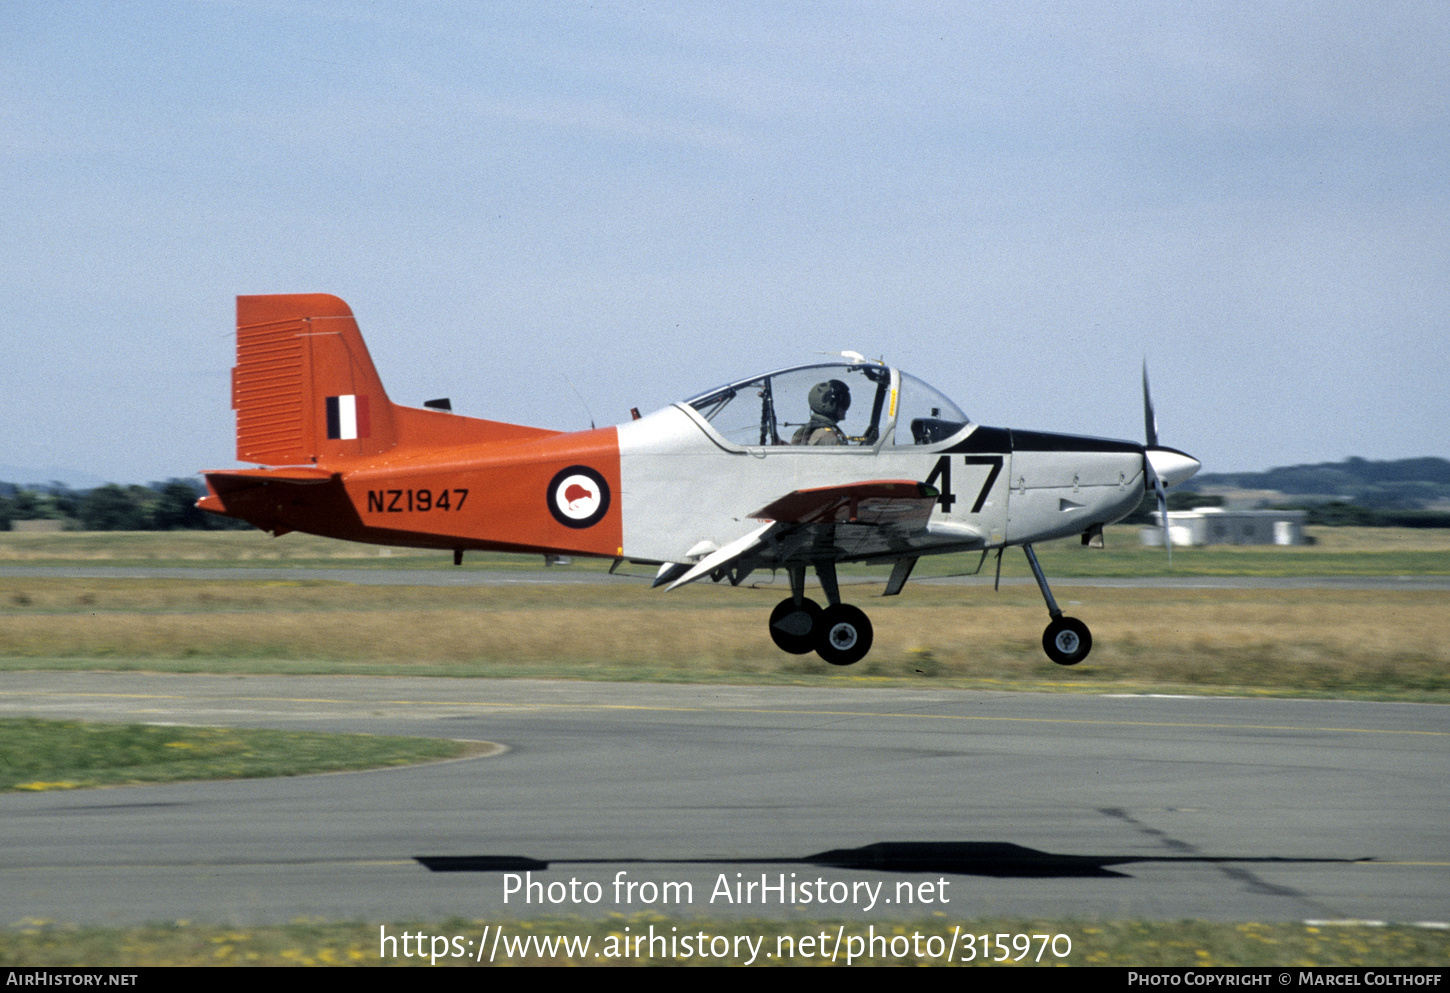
(965, 804)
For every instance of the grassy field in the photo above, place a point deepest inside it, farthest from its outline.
(1098, 943)
(1384, 644)
(61, 755)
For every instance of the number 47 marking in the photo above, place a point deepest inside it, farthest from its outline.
(941, 477)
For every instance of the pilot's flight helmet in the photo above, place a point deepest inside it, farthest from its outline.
(831, 399)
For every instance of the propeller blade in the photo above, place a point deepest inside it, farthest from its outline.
(1150, 422)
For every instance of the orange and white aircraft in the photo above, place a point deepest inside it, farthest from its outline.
(848, 461)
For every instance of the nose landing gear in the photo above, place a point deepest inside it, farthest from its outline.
(1067, 640)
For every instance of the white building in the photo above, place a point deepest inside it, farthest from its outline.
(1217, 526)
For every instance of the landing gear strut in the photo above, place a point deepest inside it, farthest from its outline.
(1067, 640)
(840, 634)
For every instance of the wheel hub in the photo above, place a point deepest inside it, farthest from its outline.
(843, 636)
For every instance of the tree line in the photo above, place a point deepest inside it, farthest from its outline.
(1393, 485)
(168, 506)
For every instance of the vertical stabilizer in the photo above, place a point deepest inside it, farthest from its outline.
(304, 387)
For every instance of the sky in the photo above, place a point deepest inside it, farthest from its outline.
(554, 212)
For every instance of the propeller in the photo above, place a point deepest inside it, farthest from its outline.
(1164, 466)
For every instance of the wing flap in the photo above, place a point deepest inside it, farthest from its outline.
(723, 556)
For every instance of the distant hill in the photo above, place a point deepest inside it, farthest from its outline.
(1402, 483)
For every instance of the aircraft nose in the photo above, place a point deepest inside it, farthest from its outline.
(1171, 465)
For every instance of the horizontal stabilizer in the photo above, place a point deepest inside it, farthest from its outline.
(234, 479)
(252, 494)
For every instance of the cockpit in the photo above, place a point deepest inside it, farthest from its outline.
(851, 404)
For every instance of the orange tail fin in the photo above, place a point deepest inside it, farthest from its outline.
(304, 387)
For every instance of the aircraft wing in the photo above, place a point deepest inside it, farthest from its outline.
(901, 503)
(878, 517)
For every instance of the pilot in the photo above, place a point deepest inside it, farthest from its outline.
(829, 402)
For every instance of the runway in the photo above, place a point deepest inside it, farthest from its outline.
(984, 805)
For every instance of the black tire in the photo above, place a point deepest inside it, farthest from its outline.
(1067, 641)
(843, 635)
(792, 628)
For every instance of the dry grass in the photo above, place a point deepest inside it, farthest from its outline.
(1381, 539)
(37, 755)
(1359, 642)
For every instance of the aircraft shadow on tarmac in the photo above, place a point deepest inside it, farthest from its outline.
(963, 858)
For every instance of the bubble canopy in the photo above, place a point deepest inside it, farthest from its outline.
(830, 406)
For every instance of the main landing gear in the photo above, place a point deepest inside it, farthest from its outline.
(1067, 640)
(840, 633)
